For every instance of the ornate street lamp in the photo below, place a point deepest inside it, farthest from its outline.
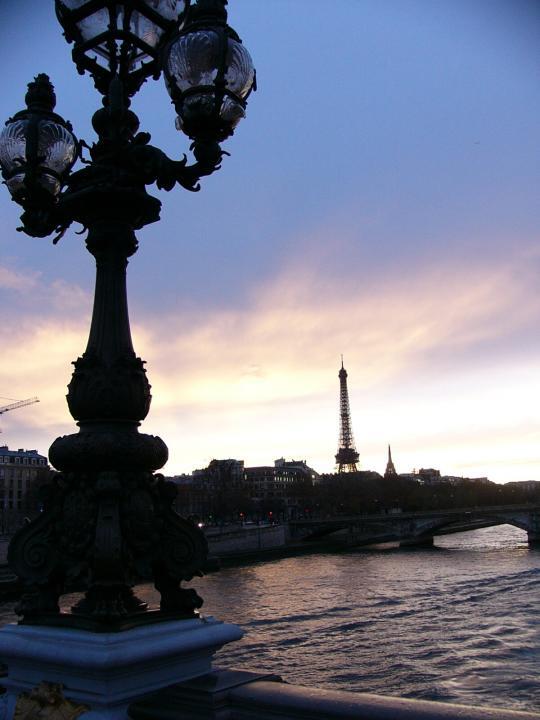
(108, 520)
(121, 39)
(209, 74)
(37, 151)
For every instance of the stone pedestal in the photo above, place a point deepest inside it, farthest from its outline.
(106, 672)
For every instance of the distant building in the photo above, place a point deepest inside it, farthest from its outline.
(225, 474)
(299, 467)
(431, 476)
(359, 476)
(21, 474)
(390, 471)
(261, 483)
(210, 490)
(457, 479)
(529, 486)
(409, 476)
(280, 489)
(228, 490)
(183, 479)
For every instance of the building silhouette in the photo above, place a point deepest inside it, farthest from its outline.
(390, 469)
(228, 490)
(22, 472)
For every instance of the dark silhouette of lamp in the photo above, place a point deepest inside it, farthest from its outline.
(108, 520)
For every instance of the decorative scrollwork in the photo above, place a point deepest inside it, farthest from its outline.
(184, 548)
(91, 451)
(153, 166)
(182, 555)
(32, 552)
(100, 391)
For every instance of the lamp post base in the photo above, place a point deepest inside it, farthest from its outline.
(96, 676)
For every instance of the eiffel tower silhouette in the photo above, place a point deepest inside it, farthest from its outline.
(347, 456)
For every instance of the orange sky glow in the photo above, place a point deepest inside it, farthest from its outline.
(380, 201)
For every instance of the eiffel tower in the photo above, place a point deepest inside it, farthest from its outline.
(346, 457)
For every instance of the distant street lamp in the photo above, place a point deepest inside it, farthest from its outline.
(108, 520)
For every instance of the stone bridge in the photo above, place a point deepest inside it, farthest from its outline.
(416, 528)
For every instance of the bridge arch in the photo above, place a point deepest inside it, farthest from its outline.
(451, 526)
(419, 527)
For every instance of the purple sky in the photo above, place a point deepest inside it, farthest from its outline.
(381, 201)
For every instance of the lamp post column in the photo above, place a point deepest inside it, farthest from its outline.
(108, 519)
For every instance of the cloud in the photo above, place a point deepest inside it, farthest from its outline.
(45, 328)
(69, 298)
(286, 342)
(17, 281)
(261, 379)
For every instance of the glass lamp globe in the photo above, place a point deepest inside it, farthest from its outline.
(209, 75)
(119, 38)
(37, 147)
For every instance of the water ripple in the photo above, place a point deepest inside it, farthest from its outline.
(458, 623)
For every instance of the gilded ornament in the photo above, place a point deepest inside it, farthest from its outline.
(47, 702)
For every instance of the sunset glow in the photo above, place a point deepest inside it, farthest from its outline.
(402, 233)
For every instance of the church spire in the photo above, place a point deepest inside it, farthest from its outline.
(390, 469)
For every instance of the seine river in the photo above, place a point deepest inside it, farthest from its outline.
(459, 622)
(456, 623)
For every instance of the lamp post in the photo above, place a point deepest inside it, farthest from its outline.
(108, 520)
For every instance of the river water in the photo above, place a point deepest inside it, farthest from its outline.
(456, 623)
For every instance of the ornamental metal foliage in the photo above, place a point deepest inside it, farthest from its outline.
(108, 521)
(47, 702)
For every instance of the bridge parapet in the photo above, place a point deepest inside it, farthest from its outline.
(252, 696)
(418, 528)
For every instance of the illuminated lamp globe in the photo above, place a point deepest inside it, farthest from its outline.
(121, 39)
(37, 147)
(209, 74)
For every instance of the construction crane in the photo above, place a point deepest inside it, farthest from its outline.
(18, 404)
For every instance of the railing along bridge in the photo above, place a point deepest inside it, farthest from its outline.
(416, 528)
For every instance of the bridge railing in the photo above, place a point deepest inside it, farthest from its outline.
(241, 695)
(471, 510)
(270, 701)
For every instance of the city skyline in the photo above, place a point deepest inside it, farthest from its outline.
(380, 201)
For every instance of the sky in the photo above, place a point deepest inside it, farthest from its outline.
(380, 202)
